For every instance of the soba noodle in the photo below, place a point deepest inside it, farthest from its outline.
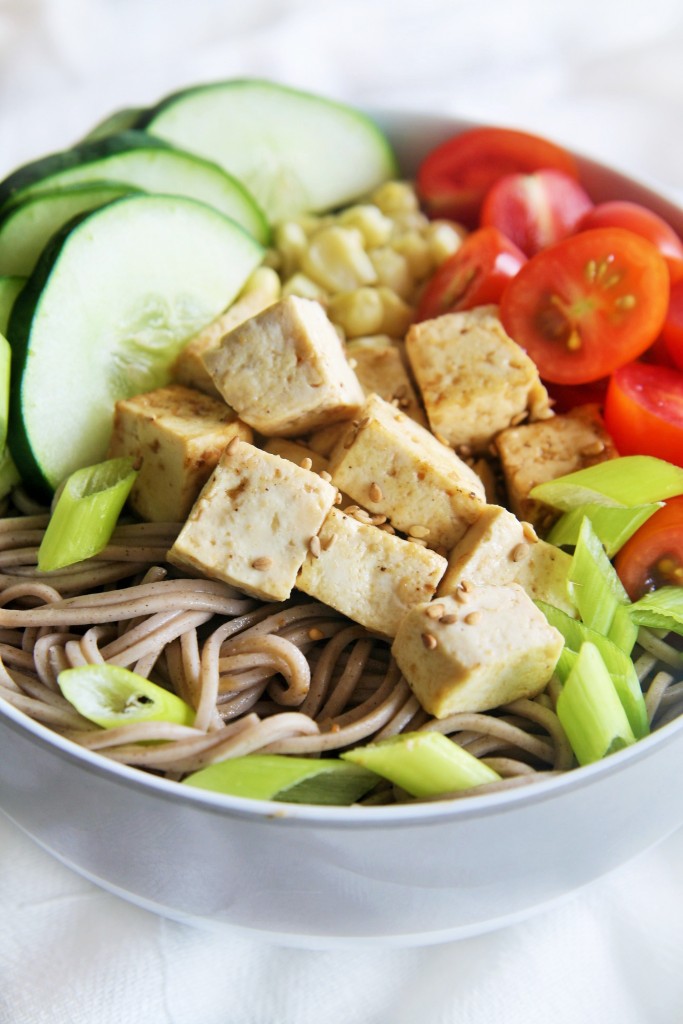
(292, 678)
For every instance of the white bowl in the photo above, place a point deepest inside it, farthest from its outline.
(326, 876)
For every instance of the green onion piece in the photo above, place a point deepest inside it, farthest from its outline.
(662, 609)
(590, 711)
(5, 360)
(286, 779)
(86, 513)
(630, 480)
(109, 695)
(612, 525)
(9, 289)
(618, 664)
(597, 591)
(423, 763)
(9, 475)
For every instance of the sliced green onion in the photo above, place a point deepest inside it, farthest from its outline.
(5, 361)
(109, 696)
(662, 609)
(590, 711)
(9, 289)
(9, 475)
(86, 513)
(630, 480)
(618, 664)
(612, 525)
(597, 591)
(423, 763)
(286, 779)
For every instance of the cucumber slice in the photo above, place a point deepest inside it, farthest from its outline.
(104, 314)
(27, 227)
(136, 158)
(9, 289)
(295, 152)
(118, 121)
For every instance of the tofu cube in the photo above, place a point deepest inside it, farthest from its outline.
(491, 649)
(390, 465)
(474, 379)
(176, 435)
(285, 370)
(498, 549)
(261, 290)
(379, 364)
(371, 576)
(536, 452)
(253, 522)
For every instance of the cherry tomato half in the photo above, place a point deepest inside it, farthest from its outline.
(535, 210)
(634, 217)
(474, 275)
(644, 411)
(588, 304)
(454, 178)
(567, 396)
(653, 556)
(672, 331)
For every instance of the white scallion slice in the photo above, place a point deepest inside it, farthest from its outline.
(597, 591)
(109, 696)
(630, 480)
(612, 525)
(662, 609)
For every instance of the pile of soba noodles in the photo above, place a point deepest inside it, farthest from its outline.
(290, 678)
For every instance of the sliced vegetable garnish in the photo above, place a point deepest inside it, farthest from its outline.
(619, 213)
(86, 513)
(9, 289)
(109, 696)
(597, 591)
(9, 476)
(423, 764)
(588, 305)
(618, 664)
(5, 366)
(286, 779)
(628, 481)
(662, 609)
(672, 331)
(653, 557)
(644, 411)
(612, 525)
(590, 711)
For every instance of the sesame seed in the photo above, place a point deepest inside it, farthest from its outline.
(448, 620)
(418, 531)
(519, 552)
(375, 492)
(353, 363)
(529, 533)
(461, 596)
(363, 423)
(361, 516)
(466, 585)
(388, 528)
(429, 641)
(306, 463)
(232, 445)
(519, 418)
(338, 498)
(435, 611)
(316, 634)
(314, 546)
(351, 509)
(420, 541)
(594, 448)
(473, 618)
(261, 563)
(324, 475)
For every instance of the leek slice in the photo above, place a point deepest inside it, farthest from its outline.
(662, 609)
(612, 525)
(627, 481)
(590, 711)
(5, 360)
(597, 591)
(424, 764)
(286, 779)
(618, 664)
(109, 696)
(86, 513)
(9, 475)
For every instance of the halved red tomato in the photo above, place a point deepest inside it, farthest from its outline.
(644, 411)
(454, 178)
(535, 210)
(475, 275)
(653, 557)
(589, 304)
(567, 396)
(620, 213)
(672, 331)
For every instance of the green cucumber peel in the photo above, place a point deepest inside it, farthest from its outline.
(286, 779)
(111, 696)
(424, 764)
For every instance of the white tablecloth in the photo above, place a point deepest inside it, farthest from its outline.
(605, 77)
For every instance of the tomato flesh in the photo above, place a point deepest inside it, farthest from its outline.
(634, 217)
(587, 305)
(475, 275)
(535, 210)
(672, 331)
(653, 556)
(454, 178)
(644, 411)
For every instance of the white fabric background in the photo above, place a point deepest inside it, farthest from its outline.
(605, 77)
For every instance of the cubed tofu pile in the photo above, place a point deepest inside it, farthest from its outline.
(301, 451)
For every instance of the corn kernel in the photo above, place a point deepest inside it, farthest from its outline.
(444, 239)
(393, 271)
(336, 260)
(375, 228)
(398, 315)
(395, 197)
(299, 284)
(415, 248)
(291, 241)
(263, 280)
(358, 312)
